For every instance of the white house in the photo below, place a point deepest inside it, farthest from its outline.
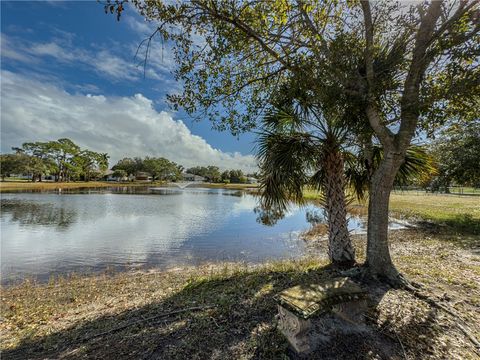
(192, 177)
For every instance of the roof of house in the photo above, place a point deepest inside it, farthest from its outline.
(196, 177)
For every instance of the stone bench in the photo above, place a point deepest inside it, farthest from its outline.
(309, 314)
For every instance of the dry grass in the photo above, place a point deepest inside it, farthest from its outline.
(317, 231)
(58, 320)
(43, 186)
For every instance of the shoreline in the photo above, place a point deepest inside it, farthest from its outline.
(314, 239)
(20, 186)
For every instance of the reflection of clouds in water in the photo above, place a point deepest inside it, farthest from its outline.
(113, 229)
(119, 229)
(243, 204)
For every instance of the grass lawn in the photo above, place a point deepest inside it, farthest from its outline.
(460, 213)
(456, 212)
(228, 310)
(465, 190)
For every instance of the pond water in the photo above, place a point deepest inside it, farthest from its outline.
(49, 233)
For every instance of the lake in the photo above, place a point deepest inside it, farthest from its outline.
(51, 233)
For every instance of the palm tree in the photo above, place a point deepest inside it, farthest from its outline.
(302, 148)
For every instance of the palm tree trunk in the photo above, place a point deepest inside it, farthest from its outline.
(340, 249)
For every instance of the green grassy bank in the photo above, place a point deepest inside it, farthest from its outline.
(456, 213)
(459, 213)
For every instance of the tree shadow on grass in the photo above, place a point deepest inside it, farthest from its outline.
(462, 231)
(465, 224)
(240, 325)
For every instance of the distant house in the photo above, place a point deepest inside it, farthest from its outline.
(252, 180)
(22, 176)
(192, 177)
(108, 176)
(143, 176)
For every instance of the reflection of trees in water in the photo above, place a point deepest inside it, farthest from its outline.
(27, 213)
(268, 217)
(272, 215)
(316, 216)
(238, 193)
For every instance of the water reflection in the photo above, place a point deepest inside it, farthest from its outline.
(95, 229)
(45, 233)
(27, 213)
(268, 217)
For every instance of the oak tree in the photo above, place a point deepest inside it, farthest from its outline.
(409, 66)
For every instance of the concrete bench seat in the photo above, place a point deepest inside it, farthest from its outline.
(308, 314)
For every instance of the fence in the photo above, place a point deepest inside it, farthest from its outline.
(452, 190)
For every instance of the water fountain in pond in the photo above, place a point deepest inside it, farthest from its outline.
(181, 184)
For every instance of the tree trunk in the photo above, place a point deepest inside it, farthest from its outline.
(379, 262)
(340, 249)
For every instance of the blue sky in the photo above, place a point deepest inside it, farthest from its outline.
(68, 70)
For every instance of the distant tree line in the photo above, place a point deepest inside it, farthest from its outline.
(162, 169)
(62, 160)
(455, 154)
(453, 160)
(213, 174)
(158, 168)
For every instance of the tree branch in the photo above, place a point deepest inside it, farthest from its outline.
(410, 99)
(384, 134)
(237, 23)
(462, 9)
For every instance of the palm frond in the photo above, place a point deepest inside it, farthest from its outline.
(417, 162)
(281, 120)
(285, 161)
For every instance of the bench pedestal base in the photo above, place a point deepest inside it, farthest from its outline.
(305, 335)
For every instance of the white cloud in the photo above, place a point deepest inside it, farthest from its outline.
(58, 52)
(114, 67)
(10, 49)
(122, 126)
(104, 62)
(139, 25)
